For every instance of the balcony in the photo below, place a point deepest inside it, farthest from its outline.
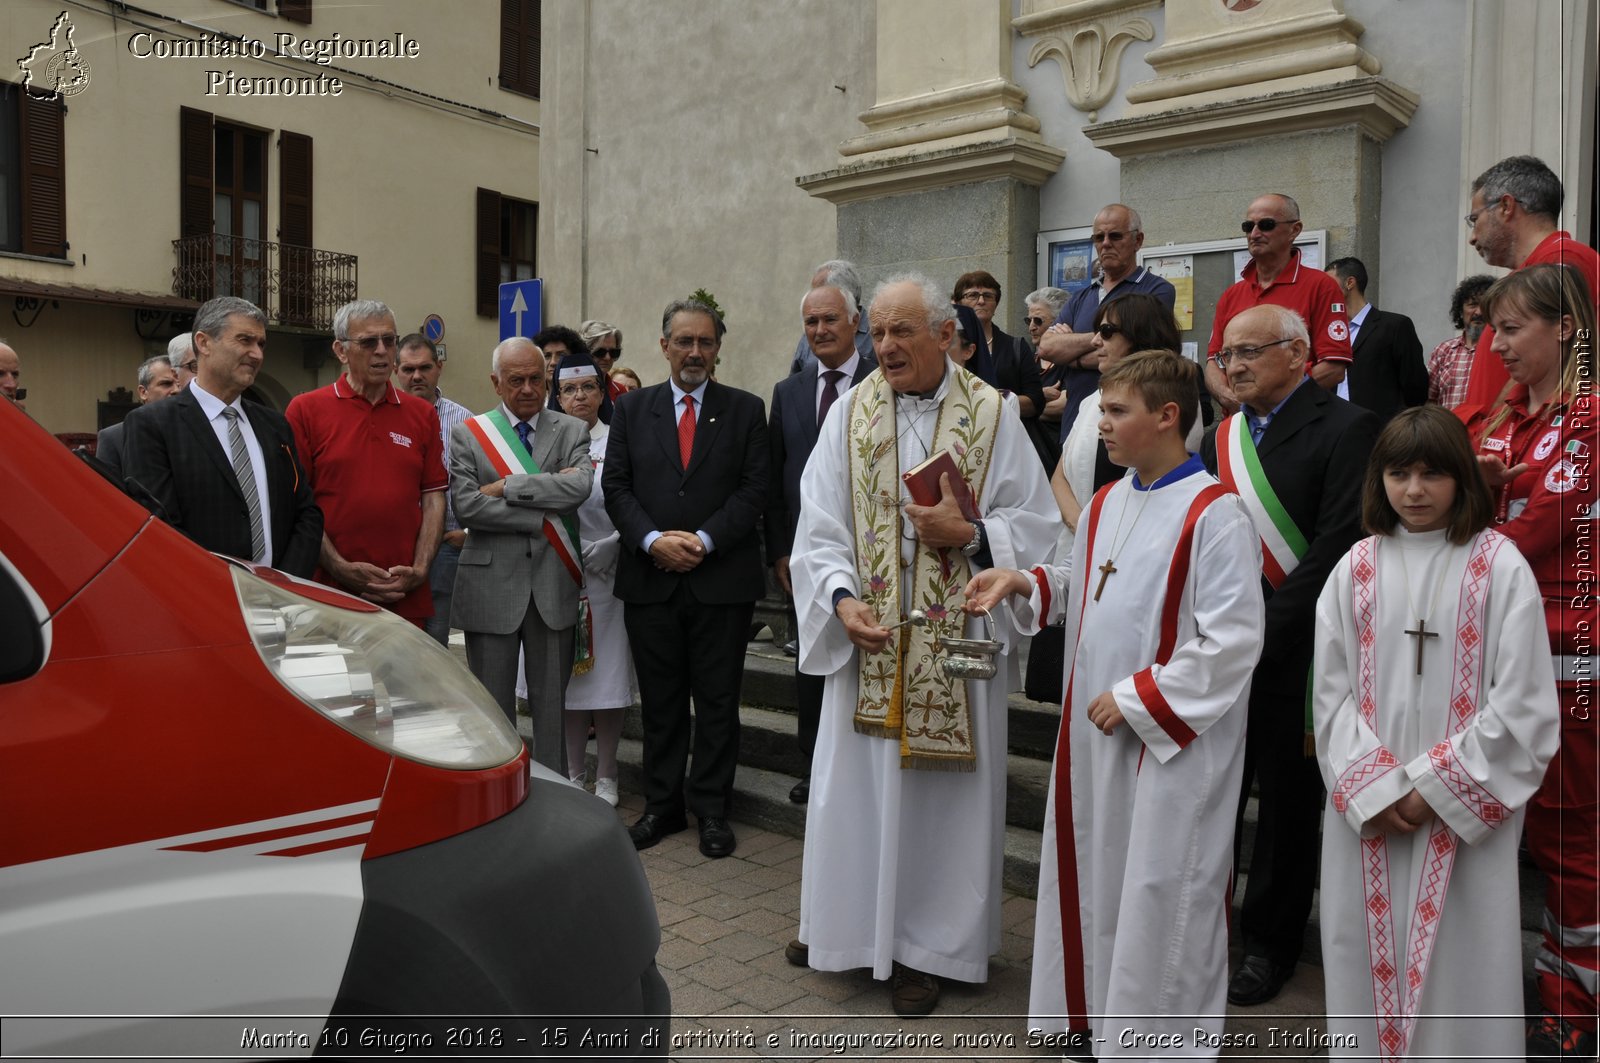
(299, 287)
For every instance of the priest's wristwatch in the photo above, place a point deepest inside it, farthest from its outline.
(976, 543)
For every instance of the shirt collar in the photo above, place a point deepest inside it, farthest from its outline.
(848, 367)
(210, 405)
(698, 394)
(1288, 275)
(1357, 320)
(342, 389)
(1190, 466)
(1133, 278)
(1250, 412)
(533, 422)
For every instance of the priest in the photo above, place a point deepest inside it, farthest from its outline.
(905, 827)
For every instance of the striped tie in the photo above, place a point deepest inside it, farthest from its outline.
(247, 483)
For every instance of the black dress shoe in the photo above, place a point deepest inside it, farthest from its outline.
(1257, 981)
(650, 828)
(716, 837)
(801, 791)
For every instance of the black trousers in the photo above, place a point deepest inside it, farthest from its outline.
(808, 706)
(684, 649)
(1283, 865)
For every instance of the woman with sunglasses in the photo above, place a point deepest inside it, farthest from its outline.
(1121, 327)
(1537, 446)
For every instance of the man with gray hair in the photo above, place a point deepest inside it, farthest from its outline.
(906, 825)
(1516, 204)
(180, 352)
(375, 459)
(517, 476)
(840, 274)
(1117, 235)
(10, 373)
(157, 380)
(1297, 454)
(224, 469)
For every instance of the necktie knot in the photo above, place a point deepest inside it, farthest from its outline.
(830, 391)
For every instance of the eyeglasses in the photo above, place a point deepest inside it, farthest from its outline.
(1247, 354)
(372, 343)
(1113, 236)
(1266, 225)
(1107, 330)
(192, 366)
(1038, 322)
(573, 390)
(606, 352)
(689, 343)
(978, 295)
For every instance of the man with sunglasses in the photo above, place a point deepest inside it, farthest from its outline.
(1118, 234)
(375, 459)
(1275, 275)
(1296, 453)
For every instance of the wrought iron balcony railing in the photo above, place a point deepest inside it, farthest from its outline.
(300, 286)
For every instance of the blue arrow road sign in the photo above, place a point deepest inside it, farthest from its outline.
(521, 308)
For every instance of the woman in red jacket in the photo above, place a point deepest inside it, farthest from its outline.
(1536, 447)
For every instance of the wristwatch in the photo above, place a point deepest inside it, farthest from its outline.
(976, 543)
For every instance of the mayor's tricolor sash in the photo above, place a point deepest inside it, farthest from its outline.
(1239, 469)
(903, 695)
(509, 457)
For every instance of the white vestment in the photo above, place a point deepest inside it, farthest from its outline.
(1150, 844)
(1472, 735)
(904, 865)
(610, 683)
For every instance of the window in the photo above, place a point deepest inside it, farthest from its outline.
(295, 10)
(33, 199)
(519, 46)
(239, 211)
(507, 240)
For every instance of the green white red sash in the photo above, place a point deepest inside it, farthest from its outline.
(509, 457)
(1239, 469)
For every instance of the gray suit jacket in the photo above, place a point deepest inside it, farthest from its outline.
(108, 447)
(506, 559)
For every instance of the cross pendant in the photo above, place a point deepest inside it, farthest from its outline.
(1105, 571)
(1421, 634)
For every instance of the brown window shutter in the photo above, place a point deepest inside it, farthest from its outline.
(488, 248)
(194, 165)
(519, 46)
(295, 10)
(294, 228)
(42, 132)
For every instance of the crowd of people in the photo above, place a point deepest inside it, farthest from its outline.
(1364, 594)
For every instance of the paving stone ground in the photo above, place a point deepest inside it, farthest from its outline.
(724, 924)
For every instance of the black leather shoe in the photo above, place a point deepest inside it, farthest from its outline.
(797, 953)
(716, 837)
(650, 828)
(1257, 981)
(801, 791)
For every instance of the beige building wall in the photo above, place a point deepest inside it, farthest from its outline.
(395, 169)
(675, 131)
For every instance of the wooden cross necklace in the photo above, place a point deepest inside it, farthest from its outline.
(1421, 632)
(1109, 567)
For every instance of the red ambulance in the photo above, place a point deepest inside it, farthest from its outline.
(273, 808)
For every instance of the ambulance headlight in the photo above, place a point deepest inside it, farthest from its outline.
(378, 677)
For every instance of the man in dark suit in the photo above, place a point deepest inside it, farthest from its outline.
(1312, 447)
(225, 470)
(158, 379)
(1387, 370)
(830, 316)
(686, 477)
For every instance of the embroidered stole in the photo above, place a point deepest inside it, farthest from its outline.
(1397, 980)
(509, 457)
(1239, 469)
(902, 694)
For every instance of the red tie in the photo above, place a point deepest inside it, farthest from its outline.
(686, 430)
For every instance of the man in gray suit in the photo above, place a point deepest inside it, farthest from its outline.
(517, 476)
(158, 378)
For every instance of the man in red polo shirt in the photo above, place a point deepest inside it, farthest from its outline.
(1512, 224)
(376, 464)
(1276, 275)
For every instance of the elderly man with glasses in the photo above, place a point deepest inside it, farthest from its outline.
(1118, 234)
(1296, 453)
(375, 459)
(1274, 275)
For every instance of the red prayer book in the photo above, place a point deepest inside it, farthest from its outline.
(922, 483)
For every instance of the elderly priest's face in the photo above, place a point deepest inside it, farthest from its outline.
(909, 352)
